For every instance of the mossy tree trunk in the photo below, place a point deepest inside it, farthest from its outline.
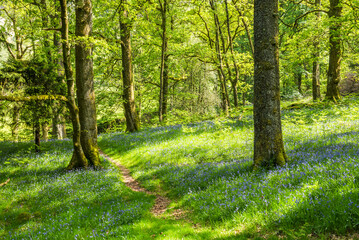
(78, 159)
(85, 82)
(335, 54)
(268, 140)
(132, 120)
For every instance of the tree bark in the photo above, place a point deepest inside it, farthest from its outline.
(85, 83)
(316, 65)
(299, 81)
(15, 123)
(268, 140)
(221, 74)
(335, 54)
(164, 63)
(236, 79)
(58, 125)
(45, 131)
(37, 135)
(132, 121)
(78, 159)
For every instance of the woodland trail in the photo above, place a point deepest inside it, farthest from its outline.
(161, 202)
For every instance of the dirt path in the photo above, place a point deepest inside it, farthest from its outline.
(161, 202)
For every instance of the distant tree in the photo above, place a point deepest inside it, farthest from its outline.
(268, 140)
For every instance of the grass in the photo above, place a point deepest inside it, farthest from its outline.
(206, 168)
(42, 201)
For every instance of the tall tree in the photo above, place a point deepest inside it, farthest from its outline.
(85, 82)
(132, 120)
(335, 54)
(221, 73)
(234, 81)
(78, 157)
(164, 61)
(268, 140)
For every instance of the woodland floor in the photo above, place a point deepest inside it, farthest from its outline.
(191, 181)
(161, 202)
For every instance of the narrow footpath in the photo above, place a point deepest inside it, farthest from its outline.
(161, 202)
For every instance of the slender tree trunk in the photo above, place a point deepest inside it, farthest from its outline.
(250, 42)
(45, 131)
(299, 81)
(58, 122)
(268, 140)
(236, 79)
(78, 159)
(316, 65)
(132, 120)
(45, 23)
(85, 83)
(164, 63)
(15, 123)
(221, 74)
(224, 57)
(37, 134)
(223, 93)
(335, 54)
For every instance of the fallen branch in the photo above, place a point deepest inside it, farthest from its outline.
(4, 183)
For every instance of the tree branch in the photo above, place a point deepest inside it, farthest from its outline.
(33, 98)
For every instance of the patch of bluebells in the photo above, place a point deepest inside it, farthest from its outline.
(59, 204)
(316, 187)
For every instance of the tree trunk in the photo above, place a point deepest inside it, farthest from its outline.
(15, 123)
(335, 54)
(132, 121)
(37, 135)
(85, 83)
(250, 42)
(221, 74)
(164, 63)
(268, 140)
(78, 159)
(58, 122)
(45, 132)
(223, 93)
(236, 79)
(299, 81)
(45, 23)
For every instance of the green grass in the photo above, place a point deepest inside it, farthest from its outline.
(43, 201)
(206, 169)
